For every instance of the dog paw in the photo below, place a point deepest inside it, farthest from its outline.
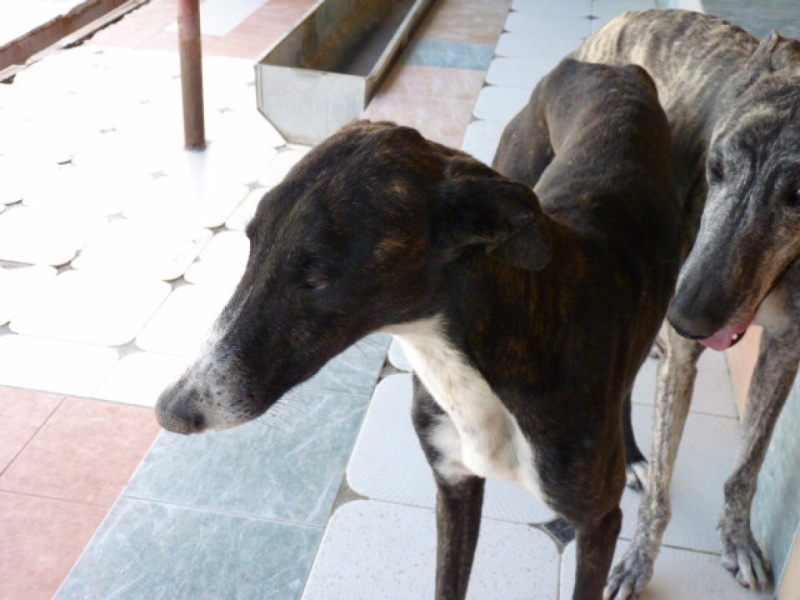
(629, 577)
(636, 475)
(744, 559)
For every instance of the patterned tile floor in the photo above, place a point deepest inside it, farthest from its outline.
(118, 248)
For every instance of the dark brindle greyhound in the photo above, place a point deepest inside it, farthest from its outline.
(734, 110)
(525, 327)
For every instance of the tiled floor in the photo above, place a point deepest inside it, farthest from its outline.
(117, 250)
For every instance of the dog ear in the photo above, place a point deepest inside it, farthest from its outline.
(502, 215)
(773, 53)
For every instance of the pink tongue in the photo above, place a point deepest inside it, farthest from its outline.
(722, 340)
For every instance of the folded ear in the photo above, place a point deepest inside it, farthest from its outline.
(485, 209)
(774, 53)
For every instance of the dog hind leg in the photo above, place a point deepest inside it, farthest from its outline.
(772, 379)
(676, 375)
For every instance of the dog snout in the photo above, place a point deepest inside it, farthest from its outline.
(692, 318)
(178, 411)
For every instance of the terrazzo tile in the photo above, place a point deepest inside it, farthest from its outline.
(84, 453)
(464, 22)
(149, 550)
(705, 458)
(181, 324)
(42, 539)
(355, 371)
(482, 139)
(520, 45)
(379, 550)
(678, 573)
(500, 103)
(22, 413)
(92, 308)
(222, 261)
(143, 249)
(286, 466)
(189, 201)
(220, 17)
(518, 72)
(53, 365)
(140, 377)
(47, 237)
(388, 464)
(20, 285)
(434, 81)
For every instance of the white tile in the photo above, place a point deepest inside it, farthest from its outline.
(20, 286)
(139, 378)
(560, 8)
(482, 139)
(188, 201)
(143, 249)
(553, 47)
(518, 72)
(246, 210)
(103, 192)
(397, 357)
(181, 324)
(48, 237)
(537, 24)
(379, 550)
(705, 459)
(388, 463)
(93, 309)
(20, 174)
(228, 162)
(279, 167)
(50, 140)
(223, 261)
(53, 365)
(678, 573)
(496, 103)
(248, 124)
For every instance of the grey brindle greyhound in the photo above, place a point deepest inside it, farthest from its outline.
(734, 109)
(525, 325)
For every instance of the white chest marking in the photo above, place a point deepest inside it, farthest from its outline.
(480, 437)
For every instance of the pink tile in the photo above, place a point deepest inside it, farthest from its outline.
(465, 22)
(463, 84)
(41, 541)
(22, 413)
(86, 452)
(442, 120)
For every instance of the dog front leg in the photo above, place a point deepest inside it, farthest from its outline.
(459, 497)
(676, 375)
(595, 541)
(458, 520)
(773, 377)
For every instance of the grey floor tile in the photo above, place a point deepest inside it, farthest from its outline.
(355, 371)
(288, 466)
(150, 550)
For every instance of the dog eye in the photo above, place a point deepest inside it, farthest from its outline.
(315, 283)
(715, 171)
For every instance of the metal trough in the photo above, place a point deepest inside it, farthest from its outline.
(324, 72)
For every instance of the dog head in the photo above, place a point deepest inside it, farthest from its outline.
(748, 234)
(359, 236)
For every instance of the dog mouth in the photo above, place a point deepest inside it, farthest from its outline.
(729, 336)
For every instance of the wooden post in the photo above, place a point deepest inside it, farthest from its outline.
(191, 73)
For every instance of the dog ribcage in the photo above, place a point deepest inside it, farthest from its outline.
(479, 436)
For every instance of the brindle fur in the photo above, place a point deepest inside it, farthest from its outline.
(735, 102)
(553, 312)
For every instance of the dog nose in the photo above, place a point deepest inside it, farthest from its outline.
(176, 412)
(689, 320)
